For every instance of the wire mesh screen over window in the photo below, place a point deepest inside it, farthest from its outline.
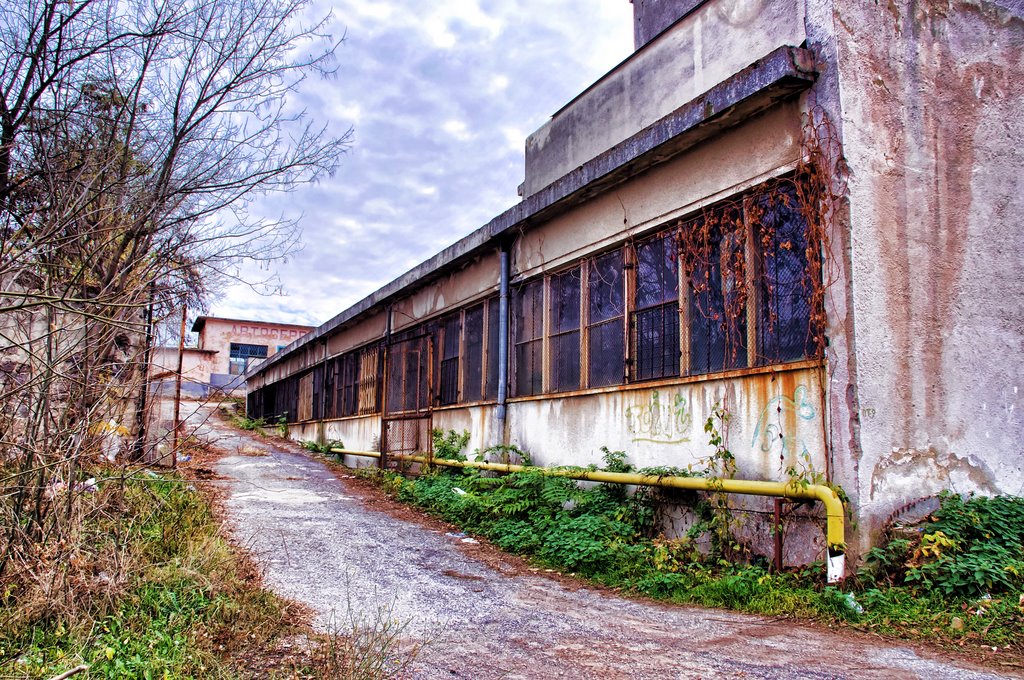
(656, 319)
(564, 325)
(714, 253)
(785, 332)
(529, 325)
(473, 354)
(606, 306)
(242, 355)
(448, 387)
(408, 368)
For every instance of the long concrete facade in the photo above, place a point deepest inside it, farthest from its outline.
(803, 214)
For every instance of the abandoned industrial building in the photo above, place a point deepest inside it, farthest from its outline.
(803, 212)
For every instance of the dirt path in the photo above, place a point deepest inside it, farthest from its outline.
(329, 543)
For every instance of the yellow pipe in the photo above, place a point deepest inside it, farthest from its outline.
(835, 522)
(351, 452)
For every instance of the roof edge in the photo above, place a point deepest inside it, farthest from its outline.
(777, 76)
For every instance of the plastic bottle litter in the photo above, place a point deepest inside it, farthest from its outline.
(850, 602)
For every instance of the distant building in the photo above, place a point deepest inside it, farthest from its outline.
(227, 348)
(804, 211)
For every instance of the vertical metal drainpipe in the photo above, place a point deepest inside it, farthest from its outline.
(503, 334)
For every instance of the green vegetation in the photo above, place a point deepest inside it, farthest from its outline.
(960, 582)
(326, 447)
(243, 422)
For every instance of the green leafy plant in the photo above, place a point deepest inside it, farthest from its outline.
(450, 445)
(326, 447)
(969, 547)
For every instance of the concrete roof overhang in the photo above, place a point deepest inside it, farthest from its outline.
(778, 76)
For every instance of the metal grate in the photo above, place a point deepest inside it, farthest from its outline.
(656, 319)
(718, 291)
(784, 329)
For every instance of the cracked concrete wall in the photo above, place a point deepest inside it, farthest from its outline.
(932, 93)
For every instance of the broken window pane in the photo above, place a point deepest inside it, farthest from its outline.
(717, 270)
(565, 330)
(473, 351)
(528, 319)
(656, 319)
(786, 286)
(605, 296)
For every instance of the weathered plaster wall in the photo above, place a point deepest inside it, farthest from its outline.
(218, 334)
(932, 94)
(196, 365)
(681, 63)
(473, 281)
(710, 171)
(777, 419)
(366, 331)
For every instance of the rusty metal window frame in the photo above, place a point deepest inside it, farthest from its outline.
(491, 344)
(370, 384)
(528, 338)
(565, 318)
(655, 349)
(449, 349)
(606, 309)
(474, 352)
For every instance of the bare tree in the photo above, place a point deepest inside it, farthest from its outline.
(134, 136)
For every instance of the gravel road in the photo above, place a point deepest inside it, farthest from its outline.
(340, 548)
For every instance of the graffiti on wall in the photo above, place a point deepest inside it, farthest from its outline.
(663, 419)
(770, 435)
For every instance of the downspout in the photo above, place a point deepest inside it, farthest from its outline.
(503, 334)
(835, 521)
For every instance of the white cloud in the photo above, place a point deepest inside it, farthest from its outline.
(412, 78)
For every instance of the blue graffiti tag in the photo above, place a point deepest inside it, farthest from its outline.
(771, 434)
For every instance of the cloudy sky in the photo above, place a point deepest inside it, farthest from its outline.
(441, 97)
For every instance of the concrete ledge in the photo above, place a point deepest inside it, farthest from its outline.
(779, 75)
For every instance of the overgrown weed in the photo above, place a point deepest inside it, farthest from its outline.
(145, 586)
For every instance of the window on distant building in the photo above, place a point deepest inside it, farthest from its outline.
(564, 330)
(241, 356)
